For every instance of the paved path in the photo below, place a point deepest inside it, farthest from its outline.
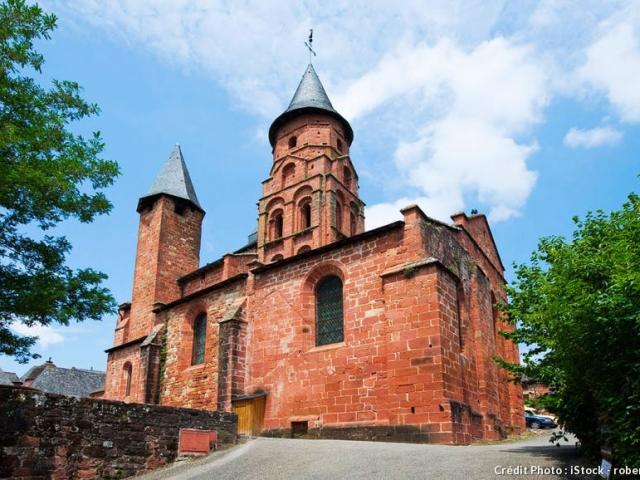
(267, 458)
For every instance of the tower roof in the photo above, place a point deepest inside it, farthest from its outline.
(174, 179)
(310, 97)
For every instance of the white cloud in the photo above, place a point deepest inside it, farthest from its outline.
(467, 146)
(612, 66)
(463, 83)
(46, 335)
(595, 137)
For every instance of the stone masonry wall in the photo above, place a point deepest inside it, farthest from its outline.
(58, 437)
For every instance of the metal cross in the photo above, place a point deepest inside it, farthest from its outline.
(309, 44)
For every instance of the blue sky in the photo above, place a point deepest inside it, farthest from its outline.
(455, 105)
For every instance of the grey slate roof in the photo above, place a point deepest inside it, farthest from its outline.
(7, 378)
(310, 93)
(65, 381)
(310, 96)
(174, 179)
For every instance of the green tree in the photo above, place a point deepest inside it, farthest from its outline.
(47, 174)
(577, 307)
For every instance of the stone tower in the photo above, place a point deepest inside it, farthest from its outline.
(168, 242)
(311, 196)
(168, 248)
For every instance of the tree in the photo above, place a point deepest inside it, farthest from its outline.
(47, 174)
(577, 307)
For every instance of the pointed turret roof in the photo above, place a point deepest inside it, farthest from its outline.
(310, 97)
(174, 179)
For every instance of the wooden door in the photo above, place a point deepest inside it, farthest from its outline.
(250, 414)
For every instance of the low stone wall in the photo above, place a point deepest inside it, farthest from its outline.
(52, 436)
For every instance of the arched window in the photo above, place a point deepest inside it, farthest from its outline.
(329, 319)
(277, 258)
(278, 221)
(346, 175)
(353, 222)
(288, 172)
(293, 141)
(339, 216)
(304, 248)
(305, 214)
(276, 225)
(199, 339)
(126, 378)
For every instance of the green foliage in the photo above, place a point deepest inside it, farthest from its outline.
(577, 307)
(48, 174)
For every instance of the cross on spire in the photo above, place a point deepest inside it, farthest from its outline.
(309, 44)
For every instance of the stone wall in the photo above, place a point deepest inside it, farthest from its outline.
(53, 436)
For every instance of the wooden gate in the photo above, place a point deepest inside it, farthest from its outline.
(250, 411)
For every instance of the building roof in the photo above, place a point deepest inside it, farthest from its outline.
(8, 378)
(64, 381)
(310, 97)
(174, 179)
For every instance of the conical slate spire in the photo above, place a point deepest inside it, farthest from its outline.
(310, 97)
(310, 93)
(174, 179)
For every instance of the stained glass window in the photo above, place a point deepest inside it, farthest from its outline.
(199, 339)
(329, 320)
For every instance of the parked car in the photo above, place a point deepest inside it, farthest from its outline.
(537, 421)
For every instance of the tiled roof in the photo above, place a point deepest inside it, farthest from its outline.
(65, 381)
(7, 378)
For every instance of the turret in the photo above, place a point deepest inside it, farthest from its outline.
(311, 196)
(169, 237)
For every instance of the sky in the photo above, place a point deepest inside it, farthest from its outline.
(526, 111)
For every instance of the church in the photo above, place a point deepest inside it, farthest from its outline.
(317, 327)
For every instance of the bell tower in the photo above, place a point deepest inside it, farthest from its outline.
(311, 196)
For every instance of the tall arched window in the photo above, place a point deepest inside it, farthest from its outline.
(276, 225)
(199, 339)
(329, 316)
(339, 216)
(305, 214)
(126, 378)
(347, 177)
(353, 222)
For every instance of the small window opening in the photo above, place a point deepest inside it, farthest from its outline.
(293, 141)
(127, 379)
(339, 216)
(353, 223)
(199, 339)
(278, 226)
(347, 177)
(306, 215)
(340, 145)
(299, 429)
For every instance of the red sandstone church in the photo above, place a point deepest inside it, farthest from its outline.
(317, 326)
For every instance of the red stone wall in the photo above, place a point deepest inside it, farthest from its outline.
(402, 361)
(57, 437)
(196, 386)
(115, 380)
